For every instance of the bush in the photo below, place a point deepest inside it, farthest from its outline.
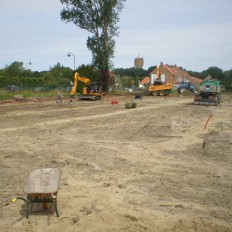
(130, 104)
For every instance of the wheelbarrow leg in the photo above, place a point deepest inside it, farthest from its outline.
(56, 208)
(29, 209)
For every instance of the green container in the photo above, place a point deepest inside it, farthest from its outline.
(210, 86)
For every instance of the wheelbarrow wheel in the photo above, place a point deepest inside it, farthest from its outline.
(46, 206)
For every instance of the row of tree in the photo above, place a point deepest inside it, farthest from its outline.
(225, 77)
(100, 18)
(58, 75)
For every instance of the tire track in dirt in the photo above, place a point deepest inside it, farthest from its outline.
(73, 108)
(41, 112)
(75, 119)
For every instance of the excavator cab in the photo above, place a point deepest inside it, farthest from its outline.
(94, 87)
(158, 82)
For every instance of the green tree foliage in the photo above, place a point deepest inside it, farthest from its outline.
(214, 72)
(227, 81)
(15, 69)
(56, 71)
(194, 74)
(131, 76)
(132, 72)
(89, 72)
(99, 17)
(225, 77)
(59, 75)
(151, 68)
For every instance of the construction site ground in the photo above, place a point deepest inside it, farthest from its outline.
(165, 165)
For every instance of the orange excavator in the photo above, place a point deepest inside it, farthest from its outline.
(89, 92)
(159, 88)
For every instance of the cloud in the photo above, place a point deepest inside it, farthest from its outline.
(194, 34)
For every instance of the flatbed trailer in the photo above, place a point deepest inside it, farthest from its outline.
(160, 89)
(207, 99)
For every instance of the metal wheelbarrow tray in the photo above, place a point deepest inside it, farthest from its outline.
(42, 187)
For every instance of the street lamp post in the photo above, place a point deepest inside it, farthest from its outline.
(29, 62)
(71, 54)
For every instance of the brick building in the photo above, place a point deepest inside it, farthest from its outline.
(174, 75)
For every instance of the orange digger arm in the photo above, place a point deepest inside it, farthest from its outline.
(158, 73)
(76, 79)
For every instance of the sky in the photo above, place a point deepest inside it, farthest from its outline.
(193, 34)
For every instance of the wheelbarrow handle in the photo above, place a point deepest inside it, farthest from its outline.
(20, 198)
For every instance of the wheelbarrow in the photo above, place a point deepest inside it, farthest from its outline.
(41, 187)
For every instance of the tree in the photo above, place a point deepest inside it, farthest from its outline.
(99, 17)
(15, 69)
(194, 74)
(60, 75)
(133, 72)
(151, 68)
(228, 79)
(131, 76)
(214, 72)
(88, 71)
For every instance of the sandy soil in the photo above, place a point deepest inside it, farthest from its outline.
(142, 169)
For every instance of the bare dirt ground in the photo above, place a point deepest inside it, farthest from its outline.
(142, 169)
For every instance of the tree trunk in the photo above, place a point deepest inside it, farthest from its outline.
(104, 80)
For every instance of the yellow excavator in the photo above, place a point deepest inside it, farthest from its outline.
(89, 92)
(159, 88)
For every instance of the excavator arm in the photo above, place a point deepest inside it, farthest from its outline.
(76, 79)
(87, 93)
(158, 73)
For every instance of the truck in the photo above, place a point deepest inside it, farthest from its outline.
(209, 93)
(159, 88)
(184, 86)
(89, 92)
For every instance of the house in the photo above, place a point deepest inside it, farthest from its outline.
(144, 82)
(208, 78)
(174, 75)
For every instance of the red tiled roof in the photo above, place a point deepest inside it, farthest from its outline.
(178, 71)
(195, 80)
(169, 68)
(146, 80)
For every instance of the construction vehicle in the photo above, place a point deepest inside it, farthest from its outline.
(209, 93)
(185, 86)
(158, 87)
(89, 92)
